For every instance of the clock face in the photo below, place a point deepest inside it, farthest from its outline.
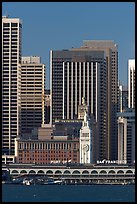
(86, 147)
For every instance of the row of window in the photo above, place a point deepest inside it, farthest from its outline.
(48, 146)
(34, 91)
(46, 154)
(12, 25)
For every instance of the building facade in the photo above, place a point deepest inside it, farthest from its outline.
(131, 83)
(11, 82)
(32, 95)
(74, 75)
(126, 136)
(59, 149)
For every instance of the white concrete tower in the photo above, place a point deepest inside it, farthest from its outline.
(11, 82)
(86, 141)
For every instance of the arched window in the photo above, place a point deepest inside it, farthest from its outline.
(32, 172)
(76, 172)
(103, 172)
(120, 172)
(58, 172)
(49, 172)
(129, 172)
(94, 172)
(111, 172)
(23, 172)
(67, 172)
(85, 172)
(40, 172)
(14, 172)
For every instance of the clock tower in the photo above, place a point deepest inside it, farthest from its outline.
(86, 141)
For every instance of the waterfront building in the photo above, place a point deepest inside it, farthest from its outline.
(122, 97)
(57, 149)
(32, 95)
(75, 173)
(126, 135)
(11, 82)
(54, 143)
(86, 141)
(131, 83)
(78, 73)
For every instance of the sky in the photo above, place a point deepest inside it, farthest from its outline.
(62, 25)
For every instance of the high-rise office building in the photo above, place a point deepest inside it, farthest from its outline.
(83, 72)
(131, 83)
(32, 95)
(126, 136)
(111, 50)
(11, 76)
(76, 74)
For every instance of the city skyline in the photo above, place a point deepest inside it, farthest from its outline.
(62, 25)
(90, 71)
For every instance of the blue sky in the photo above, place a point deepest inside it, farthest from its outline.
(63, 25)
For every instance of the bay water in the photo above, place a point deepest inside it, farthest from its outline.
(68, 193)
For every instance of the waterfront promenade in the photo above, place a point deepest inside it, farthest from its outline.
(76, 173)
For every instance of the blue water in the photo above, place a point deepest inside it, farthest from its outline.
(68, 193)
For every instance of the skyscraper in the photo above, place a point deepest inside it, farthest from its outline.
(126, 135)
(32, 95)
(76, 74)
(111, 50)
(131, 83)
(90, 71)
(11, 76)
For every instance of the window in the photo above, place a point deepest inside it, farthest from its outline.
(85, 135)
(6, 24)
(14, 24)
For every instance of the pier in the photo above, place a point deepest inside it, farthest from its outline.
(80, 174)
